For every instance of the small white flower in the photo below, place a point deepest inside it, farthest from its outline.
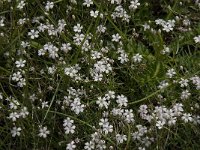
(25, 44)
(1, 96)
(123, 58)
(68, 126)
(122, 100)
(20, 63)
(184, 82)
(49, 5)
(105, 125)
(94, 13)
(71, 146)
(187, 117)
(103, 102)
(121, 138)
(33, 34)
(167, 27)
(2, 24)
(185, 94)
(16, 76)
(24, 112)
(45, 104)
(76, 106)
(89, 145)
(101, 29)
(160, 124)
(163, 84)
(13, 116)
(170, 73)
(16, 131)
(21, 5)
(166, 50)
(78, 28)
(21, 82)
(66, 47)
(137, 58)
(87, 3)
(197, 39)
(128, 116)
(116, 37)
(134, 4)
(43, 132)
(41, 52)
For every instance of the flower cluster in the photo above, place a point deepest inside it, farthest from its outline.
(94, 75)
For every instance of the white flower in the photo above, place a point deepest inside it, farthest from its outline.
(187, 117)
(167, 27)
(53, 52)
(21, 82)
(1, 96)
(25, 44)
(89, 145)
(197, 39)
(2, 22)
(123, 57)
(20, 63)
(163, 84)
(116, 37)
(96, 54)
(43, 132)
(146, 26)
(13, 116)
(78, 28)
(170, 73)
(13, 103)
(24, 112)
(109, 95)
(101, 29)
(185, 94)
(94, 13)
(68, 126)
(184, 82)
(166, 50)
(66, 47)
(137, 58)
(103, 122)
(121, 138)
(51, 70)
(45, 104)
(71, 146)
(160, 124)
(178, 109)
(21, 5)
(134, 4)
(76, 106)
(16, 131)
(159, 21)
(33, 34)
(122, 100)
(101, 144)
(128, 116)
(49, 5)
(103, 102)
(105, 125)
(87, 3)
(78, 38)
(16, 76)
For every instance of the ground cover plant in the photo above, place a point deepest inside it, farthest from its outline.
(99, 74)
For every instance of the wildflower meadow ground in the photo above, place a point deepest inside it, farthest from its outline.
(99, 74)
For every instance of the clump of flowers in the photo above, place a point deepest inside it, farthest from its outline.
(94, 75)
